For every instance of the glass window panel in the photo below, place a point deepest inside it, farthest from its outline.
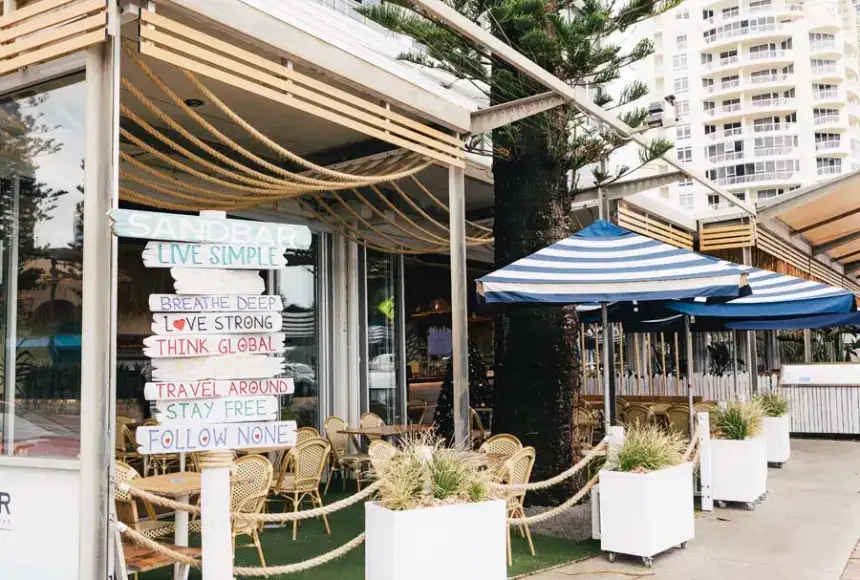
(41, 261)
(384, 394)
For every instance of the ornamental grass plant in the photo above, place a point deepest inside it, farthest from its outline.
(427, 473)
(740, 420)
(648, 448)
(773, 404)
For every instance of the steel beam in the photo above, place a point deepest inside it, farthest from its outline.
(449, 16)
(459, 307)
(500, 115)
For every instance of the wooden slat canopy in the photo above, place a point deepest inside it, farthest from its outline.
(653, 227)
(190, 49)
(722, 237)
(49, 29)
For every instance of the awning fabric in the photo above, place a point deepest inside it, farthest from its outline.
(607, 263)
(775, 295)
(798, 323)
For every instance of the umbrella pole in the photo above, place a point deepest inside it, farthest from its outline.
(663, 354)
(621, 356)
(689, 371)
(607, 408)
(677, 388)
(735, 360)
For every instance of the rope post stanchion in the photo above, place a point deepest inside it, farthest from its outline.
(217, 558)
(705, 461)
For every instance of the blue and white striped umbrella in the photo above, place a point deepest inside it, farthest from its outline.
(606, 263)
(775, 295)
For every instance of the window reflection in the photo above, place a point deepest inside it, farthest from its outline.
(297, 284)
(384, 396)
(41, 261)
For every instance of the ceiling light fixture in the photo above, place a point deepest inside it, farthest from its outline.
(194, 103)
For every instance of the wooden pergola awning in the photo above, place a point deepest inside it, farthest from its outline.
(827, 216)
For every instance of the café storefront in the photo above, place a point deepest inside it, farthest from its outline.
(156, 108)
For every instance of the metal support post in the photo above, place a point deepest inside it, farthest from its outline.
(459, 306)
(607, 398)
(689, 372)
(707, 496)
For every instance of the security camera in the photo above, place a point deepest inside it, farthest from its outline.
(670, 99)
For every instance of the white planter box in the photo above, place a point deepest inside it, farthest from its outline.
(645, 514)
(776, 438)
(739, 469)
(454, 542)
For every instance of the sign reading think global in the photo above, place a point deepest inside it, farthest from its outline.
(214, 384)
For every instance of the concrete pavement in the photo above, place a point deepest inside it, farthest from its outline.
(806, 529)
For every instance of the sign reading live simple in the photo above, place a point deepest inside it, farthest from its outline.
(190, 255)
(202, 437)
(150, 225)
(226, 409)
(215, 303)
(173, 390)
(212, 345)
(190, 323)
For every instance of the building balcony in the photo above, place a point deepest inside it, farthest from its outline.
(790, 9)
(829, 96)
(824, 47)
(751, 31)
(854, 110)
(765, 176)
(728, 156)
(751, 131)
(828, 72)
(781, 104)
(781, 151)
(761, 81)
(829, 170)
(830, 122)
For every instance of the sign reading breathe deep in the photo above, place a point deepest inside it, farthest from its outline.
(217, 343)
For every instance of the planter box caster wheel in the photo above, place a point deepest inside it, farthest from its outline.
(611, 557)
(648, 562)
(775, 465)
(720, 504)
(749, 506)
(683, 545)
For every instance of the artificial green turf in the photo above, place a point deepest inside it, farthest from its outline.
(279, 548)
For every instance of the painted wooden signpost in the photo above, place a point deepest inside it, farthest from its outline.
(216, 350)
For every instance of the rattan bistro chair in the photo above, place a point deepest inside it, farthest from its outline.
(679, 419)
(416, 410)
(309, 459)
(342, 460)
(248, 496)
(517, 471)
(381, 453)
(305, 433)
(126, 506)
(583, 425)
(501, 444)
(368, 421)
(635, 414)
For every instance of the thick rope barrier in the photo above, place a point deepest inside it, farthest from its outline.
(567, 474)
(246, 517)
(145, 542)
(694, 445)
(558, 510)
(300, 566)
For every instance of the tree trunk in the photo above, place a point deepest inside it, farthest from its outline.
(536, 349)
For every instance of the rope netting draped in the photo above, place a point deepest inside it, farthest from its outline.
(368, 203)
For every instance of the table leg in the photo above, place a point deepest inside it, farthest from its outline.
(180, 537)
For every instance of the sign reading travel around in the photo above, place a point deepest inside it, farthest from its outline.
(204, 437)
(226, 409)
(216, 343)
(215, 303)
(173, 390)
(189, 255)
(194, 323)
(150, 225)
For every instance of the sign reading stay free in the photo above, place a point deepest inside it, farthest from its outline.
(184, 228)
(193, 255)
(203, 437)
(229, 409)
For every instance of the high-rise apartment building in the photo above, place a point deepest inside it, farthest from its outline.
(766, 93)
